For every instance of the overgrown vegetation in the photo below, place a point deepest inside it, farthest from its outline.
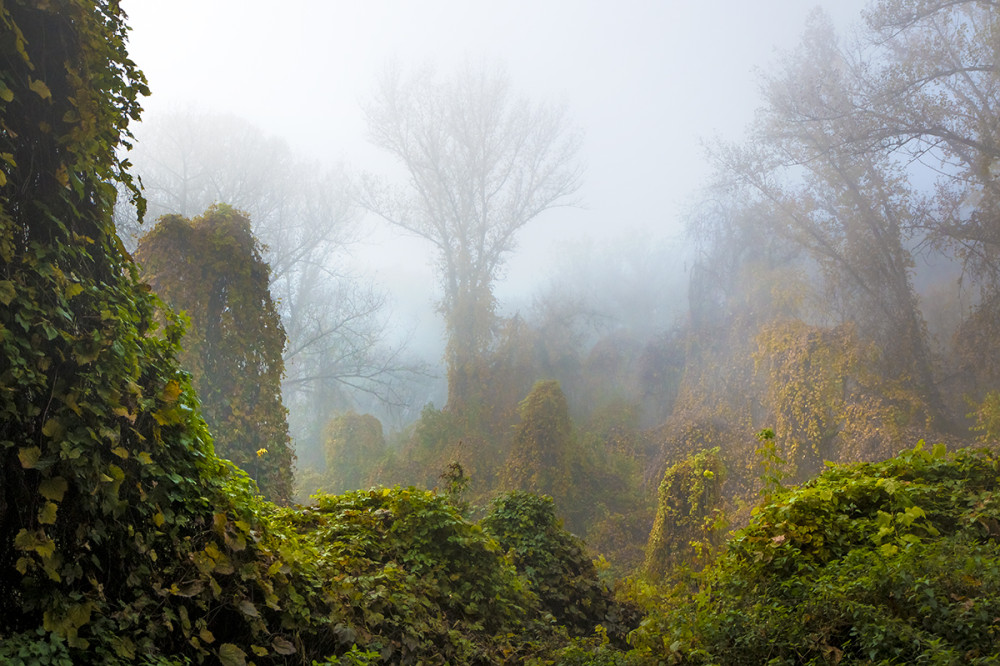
(126, 537)
(210, 268)
(893, 562)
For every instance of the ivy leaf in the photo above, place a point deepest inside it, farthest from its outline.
(73, 289)
(7, 291)
(230, 655)
(171, 391)
(39, 88)
(29, 456)
(47, 514)
(189, 589)
(52, 428)
(53, 489)
(248, 609)
(282, 646)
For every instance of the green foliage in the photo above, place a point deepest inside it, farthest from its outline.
(541, 457)
(773, 466)
(597, 651)
(353, 657)
(893, 562)
(416, 580)
(825, 397)
(37, 648)
(987, 416)
(121, 533)
(211, 267)
(688, 522)
(67, 94)
(556, 564)
(354, 446)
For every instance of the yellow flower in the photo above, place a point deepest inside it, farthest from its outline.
(261, 452)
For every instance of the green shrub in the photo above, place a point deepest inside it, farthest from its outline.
(556, 564)
(416, 580)
(892, 562)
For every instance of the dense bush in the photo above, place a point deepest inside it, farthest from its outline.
(352, 444)
(556, 564)
(417, 581)
(893, 562)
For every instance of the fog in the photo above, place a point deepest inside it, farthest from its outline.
(646, 82)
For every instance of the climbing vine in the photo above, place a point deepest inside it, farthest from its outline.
(211, 268)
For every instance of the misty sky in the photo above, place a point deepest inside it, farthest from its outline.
(645, 80)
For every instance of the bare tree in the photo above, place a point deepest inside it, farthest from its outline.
(482, 164)
(852, 210)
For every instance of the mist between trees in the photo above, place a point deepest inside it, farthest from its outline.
(841, 303)
(838, 264)
(839, 282)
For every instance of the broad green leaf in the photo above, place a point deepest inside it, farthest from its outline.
(73, 289)
(230, 655)
(53, 489)
(47, 514)
(52, 428)
(248, 609)
(171, 391)
(29, 456)
(39, 88)
(7, 291)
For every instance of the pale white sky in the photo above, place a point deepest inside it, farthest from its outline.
(646, 80)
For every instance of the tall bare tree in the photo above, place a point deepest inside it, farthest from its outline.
(482, 163)
(851, 208)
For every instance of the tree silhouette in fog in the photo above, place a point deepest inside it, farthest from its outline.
(481, 164)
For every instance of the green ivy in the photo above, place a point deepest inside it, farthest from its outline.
(891, 562)
(556, 564)
(211, 268)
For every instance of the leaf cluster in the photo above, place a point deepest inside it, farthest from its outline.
(893, 562)
(689, 520)
(556, 565)
(415, 580)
